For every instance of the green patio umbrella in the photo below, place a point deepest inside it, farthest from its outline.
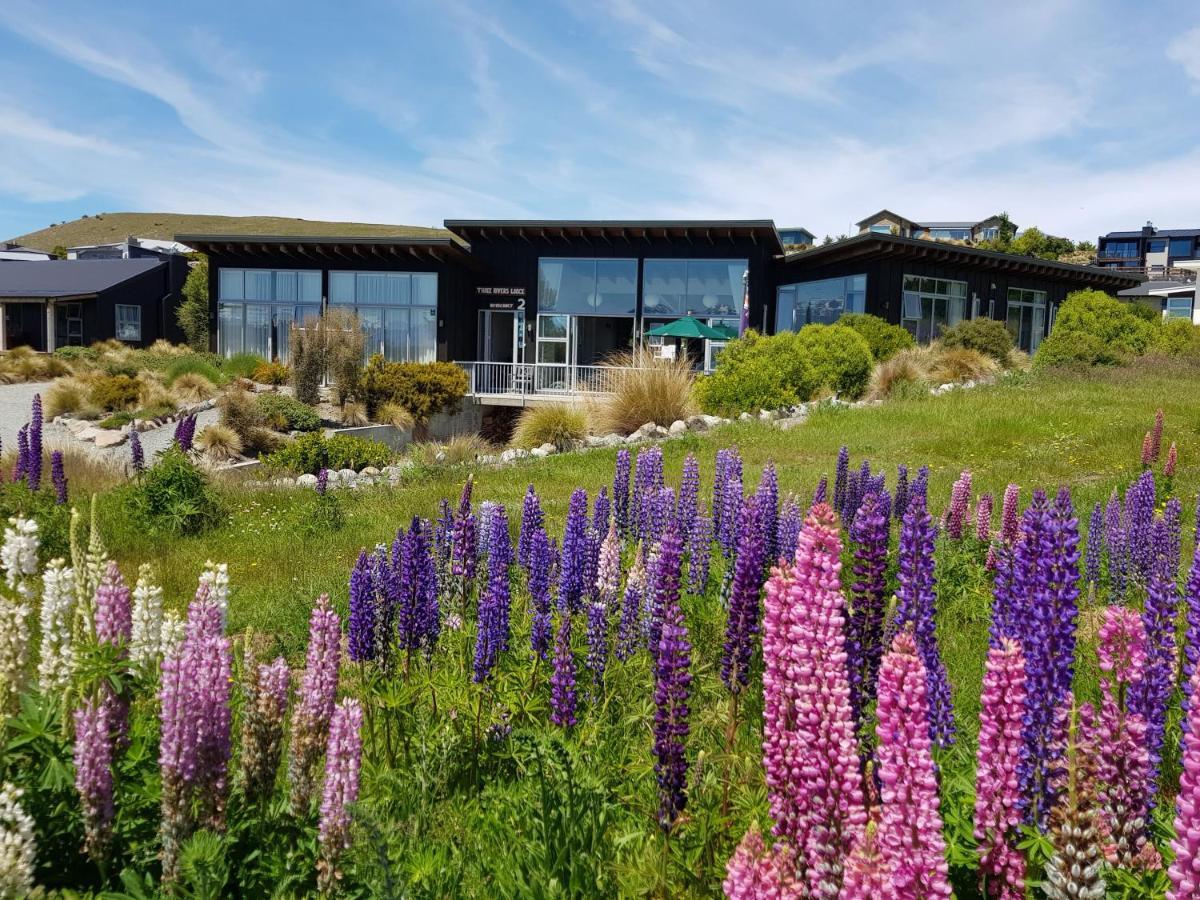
(688, 327)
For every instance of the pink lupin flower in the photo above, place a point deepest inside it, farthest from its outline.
(867, 875)
(997, 783)
(1156, 434)
(316, 697)
(1147, 449)
(983, 518)
(809, 748)
(1010, 521)
(343, 764)
(1185, 870)
(910, 827)
(1172, 461)
(93, 776)
(960, 501)
(114, 608)
(756, 873)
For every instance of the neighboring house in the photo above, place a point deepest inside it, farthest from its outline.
(130, 248)
(57, 303)
(797, 237)
(1174, 299)
(887, 222)
(10, 251)
(534, 306)
(1151, 251)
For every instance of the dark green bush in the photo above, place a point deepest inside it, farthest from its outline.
(424, 389)
(1075, 349)
(284, 413)
(193, 364)
(1177, 337)
(115, 392)
(840, 357)
(988, 336)
(1104, 329)
(884, 338)
(313, 451)
(173, 496)
(756, 372)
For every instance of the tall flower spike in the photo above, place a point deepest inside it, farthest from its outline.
(757, 873)
(1115, 546)
(19, 555)
(672, 693)
(960, 499)
(541, 561)
(910, 828)
(997, 784)
(318, 689)
(663, 588)
(601, 511)
(343, 765)
(699, 555)
(1095, 546)
(14, 651)
(810, 752)
(492, 634)
(34, 472)
(821, 491)
(1185, 870)
(58, 476)
(1172, 461)
(114, 609)
(731, 501)
(900, 501)
(1074, 870)
(868, 595)
(18, 847)
(917, 599)
(742, 624)
(768, 512)
(1010, 515)
(137, 456)
(1147, 449)
(620, 492)
(983, 518)
(532, 520)
(629, 629)
(21, 469)
(1140, 502)
(465, 546)
(57, 658)
(788, 531)
(363, 644)
(571, 581)
(94, 777)
(689, 497)
(263, 712)
(1156, 434)
(562, 680)
(841, 477)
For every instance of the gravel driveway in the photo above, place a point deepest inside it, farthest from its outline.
(14, 409)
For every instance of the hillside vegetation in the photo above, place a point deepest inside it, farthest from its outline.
(106, 228)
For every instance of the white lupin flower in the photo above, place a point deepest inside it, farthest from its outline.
(14, 650)
(216, 577)
(57, 658)
(18, 554)
(173, 630)
(145, 647)
(18, 849)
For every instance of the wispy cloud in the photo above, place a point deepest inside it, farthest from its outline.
(1184, 49)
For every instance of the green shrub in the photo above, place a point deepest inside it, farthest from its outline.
(1177, 337)
(155, 411)
(557, 424)
(53, 519)
(116, 420)
(73, 353)
(173, 496)
(242, 365)
(884, 338)
(115, 392)
(424, 389)
(312, 452)
(284, 413)
(840, 357)
(192, 313)
(756, 372)
(273, 373)
(1142, 311)
(1105, 329)
(193, 365)
(984, 335)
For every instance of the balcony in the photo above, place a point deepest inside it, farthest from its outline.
(526, 384)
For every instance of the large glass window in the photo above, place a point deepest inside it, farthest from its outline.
(256, 308)
(950, 234)
(1158, 245)
(398, 311)
(1119, 250)
(1026, 317)
(129, 323)
(1178, 308)
(819, 301)
(931, 305)
(1181, 248)
(587, 287)
(692, 287)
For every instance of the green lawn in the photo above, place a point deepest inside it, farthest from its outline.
(445, 818)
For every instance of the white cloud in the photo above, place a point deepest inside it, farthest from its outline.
(1184, 49)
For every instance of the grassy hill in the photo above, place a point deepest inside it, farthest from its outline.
(106, 228)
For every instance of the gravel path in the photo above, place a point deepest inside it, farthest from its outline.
(14, 409)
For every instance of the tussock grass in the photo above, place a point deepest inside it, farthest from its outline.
(220, 442)
(643, 388)
(960, 364)
(395, 415)
(354, 415)
(558, 424)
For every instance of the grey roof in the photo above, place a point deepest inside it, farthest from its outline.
(69, 277)
(1160, 232)
(1159, 289)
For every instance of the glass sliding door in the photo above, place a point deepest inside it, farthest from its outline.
(256, 309)
(931, 305)
(1026, 318)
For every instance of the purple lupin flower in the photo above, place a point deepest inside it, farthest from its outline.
(93, 757)
(841, 479)
(562, 680)
(318, 690)
(1150, 696)
(137, 456)
(34, 471)
(531, 522)
(672, 691)
(731, 500)
(363, 644)
(721, 464)
(492, 631)
(464, 546)
(114, 609)
(58, 475)
(1007, 613)
(1191, 640)
(263, 713)
(864, 622)
(699, 555)
(647, 481)
(597, 642)
(601, 511)
(856, 489)
(920, 485)
(768, 513)
(422, 575)
(322, 482)
(21, 470)
(486, 509)
(541, 561)
(185, 432)
(343, 764)
(917, 600)
(688, 507)
(787, 532)
(1140, 501)
(620, 492)
(661, 509)
(960, 499)
(742, 624)
(629, 630)
(821, 492)
(900, 501)
(663, 586)
(1116, 547)
(983, 518)
(571, 581)
(443, 538)
(1095, 546)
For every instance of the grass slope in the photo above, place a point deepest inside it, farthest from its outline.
(107, 228)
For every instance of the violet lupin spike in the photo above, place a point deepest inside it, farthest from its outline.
(672, 693)
(562, 680)
(21, 469)
(718, 492)
(841, 477)
(731, 501)
(137, 456)
(1095, 546)
(34, 471)
(1116, 548)
(601, 511)
(620, 492)
(699, 555)
(742, 623)
(629, 628)
(1191, 640)
(572, 574)
(663, 585)
(687, 508)
(59, 476)
(900, 501)
(492, 630)
(540, 565)
(821, 491)
(787, 533)
(768, 512)
(363, 641)
(531, 521)
(868, 593)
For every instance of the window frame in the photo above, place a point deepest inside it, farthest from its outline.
(595, 265)
(117, 324)
(921, 288)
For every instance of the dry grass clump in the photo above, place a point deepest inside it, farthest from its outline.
(395, 415)
(960, 364)
(902, 374)
(66, 395)
(459, 450)
(166, 348)
(192, 387)
(559, 424)
(242, 415)
(23, 364)
(642, 388)
(1019, 360)
(220, 442)
(152, 394)
(354, 415)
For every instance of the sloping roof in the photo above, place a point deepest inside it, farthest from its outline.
(1159, 289)
(442, 246)
(69, 277)
(1160, 232)
(884, 213)
(691, 229)
(871, 243)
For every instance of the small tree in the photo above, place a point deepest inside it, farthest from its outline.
(59, 251)
(192, 313)
(332, 344)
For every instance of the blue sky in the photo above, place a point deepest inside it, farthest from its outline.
(1080, 116)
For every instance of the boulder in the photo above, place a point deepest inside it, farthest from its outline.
(90, 433)
(677, 427)
(75, 426)
(369, 471)
(542, 451)
(712, 421)
(349, 476)
(513, 453)
(789, 424)
(111, 438)
(307, 480)
(745, 417)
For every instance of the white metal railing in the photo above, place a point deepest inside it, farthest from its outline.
(524, 379)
